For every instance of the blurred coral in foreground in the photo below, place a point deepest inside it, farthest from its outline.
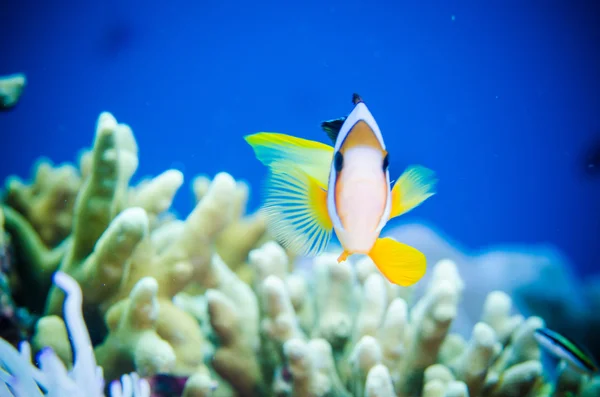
(210, 306)
(20, 377)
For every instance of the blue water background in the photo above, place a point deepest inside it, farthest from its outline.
(500, 98)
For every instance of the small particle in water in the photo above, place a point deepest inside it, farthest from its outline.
(453, 18)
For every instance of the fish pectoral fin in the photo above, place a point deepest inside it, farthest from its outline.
(312, 157)
(332, 127)
(413, 187)
(296, 210)
(400, 263)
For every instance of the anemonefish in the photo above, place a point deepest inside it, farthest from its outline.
(314, 189)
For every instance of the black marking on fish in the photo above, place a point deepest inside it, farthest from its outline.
(386, 162)
(332, 127)
(338, 161)
(356, 99)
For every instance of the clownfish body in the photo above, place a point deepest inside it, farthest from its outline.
(314, 189)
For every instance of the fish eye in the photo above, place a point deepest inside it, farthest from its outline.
(386, 162)
(338, 161)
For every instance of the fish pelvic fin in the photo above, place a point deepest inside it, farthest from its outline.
(343, 256)
(413, 187)
(312, 157)
(400, 263)
(296, 210)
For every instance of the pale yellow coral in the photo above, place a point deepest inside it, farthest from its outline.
(51, 332)
(48, 201)
(372, 307)
(243, 233)
(392, 333)
(312, 367)
(235, 358)
(379, 382)
(365, 355)
(280, 322)
(101, 272)
(430, 320)
(518, 380)
(472, 365)
(156, 195)
(133, 342)
(335, 300)
(497, 313)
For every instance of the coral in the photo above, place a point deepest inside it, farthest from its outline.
(15, 322)
(11, 88)
(48, 201)
(235, 359)
(35, 261)
(131, 260)
(208, 305)
(132, 341)
(364, 338)
(522, 272)
(19, 377)
(243, 233)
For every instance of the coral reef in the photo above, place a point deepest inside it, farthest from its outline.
(11, 88)
(522, 271)
(210, 306)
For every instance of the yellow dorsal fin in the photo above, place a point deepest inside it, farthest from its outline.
(296, 209)
(312, 157)
(400, 263)
(413, 187)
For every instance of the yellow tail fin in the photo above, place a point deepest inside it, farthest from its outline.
(413, 187)
(398, 262)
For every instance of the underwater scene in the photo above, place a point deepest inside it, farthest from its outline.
(305, 199)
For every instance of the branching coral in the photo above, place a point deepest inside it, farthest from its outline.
(48, 202)
(383, 346)
(243, 233)
(130, 260)
(211, 300)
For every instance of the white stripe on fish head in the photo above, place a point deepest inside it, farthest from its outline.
(359, 113)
